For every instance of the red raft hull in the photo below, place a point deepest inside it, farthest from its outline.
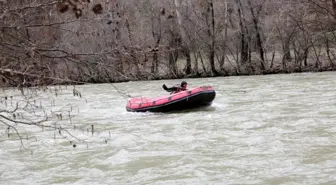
(192, 98)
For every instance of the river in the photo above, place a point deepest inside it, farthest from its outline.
(273, 129)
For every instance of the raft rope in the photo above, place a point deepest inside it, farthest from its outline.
(242, 91)
(231, 92)
(124, 95)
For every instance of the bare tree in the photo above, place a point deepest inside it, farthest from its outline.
(244, 51)
(184, 41)
(255, 18)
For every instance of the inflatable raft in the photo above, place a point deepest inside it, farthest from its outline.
(191, 98)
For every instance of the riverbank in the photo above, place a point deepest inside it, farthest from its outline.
(228, 73)
(54, 81)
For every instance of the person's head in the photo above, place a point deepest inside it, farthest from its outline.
(184, 84)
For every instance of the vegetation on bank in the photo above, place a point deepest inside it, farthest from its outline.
(49, 42)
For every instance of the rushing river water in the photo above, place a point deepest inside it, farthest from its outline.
(276, 129)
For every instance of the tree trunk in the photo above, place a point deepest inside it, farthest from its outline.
(328, 51)
(117, 40)
(211, 34)
(305, 57)
(133, 55)
(173, 55)
(183, 35)
(156, 32)
(196, 63)
(260, 46)
(221, 62)
(286, 50)
(188, 65)
(243, 30)
(255, 18)
(155, 62)
(204, 68)
(334, 8)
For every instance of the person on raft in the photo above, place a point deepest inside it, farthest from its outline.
(176, 89)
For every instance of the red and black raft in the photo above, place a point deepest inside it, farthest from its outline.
(188, 99)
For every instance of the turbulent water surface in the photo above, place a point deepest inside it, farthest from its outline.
(276, 129)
